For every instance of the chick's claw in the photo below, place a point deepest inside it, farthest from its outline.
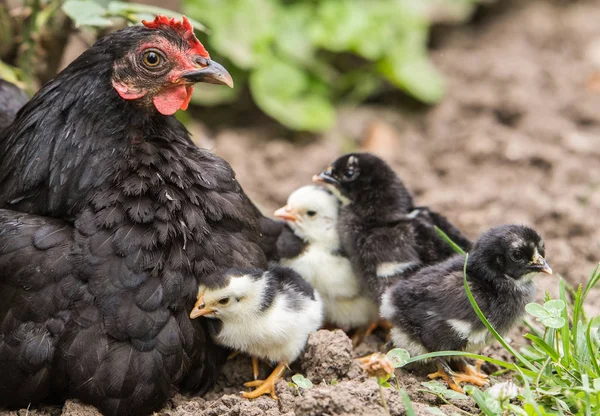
(265, 386)
(445, 373)
(470, 374)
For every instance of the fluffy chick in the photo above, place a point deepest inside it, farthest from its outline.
(312, 215)
(431, 311)
(266, 314)
(385, 236)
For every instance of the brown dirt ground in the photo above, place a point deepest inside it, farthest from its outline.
(517, 140)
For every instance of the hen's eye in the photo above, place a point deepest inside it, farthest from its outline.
(311, 213)
(224, 301)
(152, 59)
(517, 256)
(349, 173)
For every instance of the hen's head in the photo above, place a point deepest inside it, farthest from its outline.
(162, 67)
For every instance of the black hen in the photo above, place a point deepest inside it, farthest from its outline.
(95, 302)
(12, 98)
(384, 234)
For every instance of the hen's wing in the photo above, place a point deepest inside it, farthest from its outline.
(37, 285)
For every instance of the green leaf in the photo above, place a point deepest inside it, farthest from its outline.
(287, 94)
(554, 322)
(454, 395)
(241, 30)
(486, 404)
(439, 388)
(135, 12)
(434, 411)
(434, 386)
(537, 310)
(94, 21)
(302, 381)
(416, 76)
(11, 74)
(86, 11)
(292, 39)
(597, 384)
(555, 306)
(339, 24)
(398, 357)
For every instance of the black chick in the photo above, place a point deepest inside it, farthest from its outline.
(431, 312)
(12, 98)
(383, 233)
(112, 218)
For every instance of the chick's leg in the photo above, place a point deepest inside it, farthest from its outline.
(445, 373)
(265, 386)
(470, 374)
(361, 333)
(255, 367)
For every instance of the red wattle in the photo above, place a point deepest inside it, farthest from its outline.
(189, 90)
(171, 100)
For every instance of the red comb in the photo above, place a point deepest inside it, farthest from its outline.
(183, 28)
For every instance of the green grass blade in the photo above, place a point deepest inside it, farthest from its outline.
(591, 283)
(590, 345)
(448, 240)
(577, 306)
(565, 332)
(554, 355)
(408, 406)
(586, 385)
(499, 363)
(489, 326)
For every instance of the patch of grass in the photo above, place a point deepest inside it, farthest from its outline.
(558, 373)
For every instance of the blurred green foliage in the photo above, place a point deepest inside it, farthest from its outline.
(298, 58)
(302, 58)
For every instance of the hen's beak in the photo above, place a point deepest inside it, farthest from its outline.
(326, 177)
(541, 265)
(286, 213)
(200, 309)
(213, 73)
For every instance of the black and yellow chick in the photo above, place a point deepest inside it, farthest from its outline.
(431, 312)
(385, 236)
(266, 314)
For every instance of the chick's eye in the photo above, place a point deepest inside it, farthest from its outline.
(224, 301)
(311, 213)
(517, 256)
(152, 59)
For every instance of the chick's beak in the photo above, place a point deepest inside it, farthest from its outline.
(212, 73)
(326, 177)
(542, 265)
(286, 213)
(200, 309)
